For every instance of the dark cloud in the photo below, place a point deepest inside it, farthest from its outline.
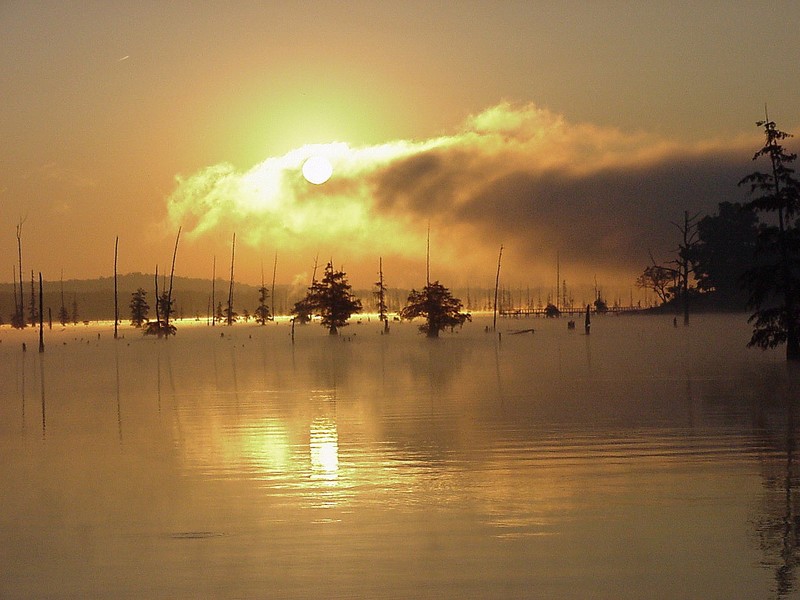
(518, 176)
(607, 218)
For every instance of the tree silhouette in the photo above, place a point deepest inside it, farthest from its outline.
(18, 320)
(166, 306)
(161, 326)
(302, 310)
(380, 297)
(33, 314)
(63, 315)
(725, 250)
(673, 282)
(139, 307)
(774, 284)
(551, 311)
(74, 309)
(330, 299)
(262, 310)
(684, 260)
(229, 315)
(438, 306)
(661, 280)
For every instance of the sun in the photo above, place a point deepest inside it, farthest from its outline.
(317, 170)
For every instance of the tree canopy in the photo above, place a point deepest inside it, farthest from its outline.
(329, 299)
(262, 311)
(724, 251)
(139, 307)
(438, 306)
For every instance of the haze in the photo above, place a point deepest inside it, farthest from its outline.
(577, 129)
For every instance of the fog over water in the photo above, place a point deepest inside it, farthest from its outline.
(642, 460)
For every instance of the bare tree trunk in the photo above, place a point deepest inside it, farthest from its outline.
(171, 276)
(41, 316)
(686, 268)
(428, 257)
(230, 289)
(274, 273)
(63, 306)
(496, 285)
(21, 316)
(382, 299)
(213, 291)
(116, 296)
(16, 298)
(33, 302)
(158, 303)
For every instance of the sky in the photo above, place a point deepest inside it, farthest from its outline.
(575, 132)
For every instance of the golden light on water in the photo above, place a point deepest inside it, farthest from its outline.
(324, 447)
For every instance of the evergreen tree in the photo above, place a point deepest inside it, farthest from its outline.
(63, 315)
(139, 307)
(33, 314)
(438, 306)
(218, 314)
(166, 307)
(724, 252)
(380, 296)
(262, 311)
(229, 315)
(774, 284)
(160, 326)
(302, 310)
(331, 300)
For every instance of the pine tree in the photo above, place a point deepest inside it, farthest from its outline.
(229, 315)
(74, 310)
(774, 284)
(331, 300)
(63, 315)
(166, 307)
(139, 307)
(262, 311)
(302, 310)
(33, 314)
(380, 296)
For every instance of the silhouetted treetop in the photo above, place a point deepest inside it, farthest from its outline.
(438, 306)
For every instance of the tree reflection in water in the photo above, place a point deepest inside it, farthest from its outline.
(778, 525)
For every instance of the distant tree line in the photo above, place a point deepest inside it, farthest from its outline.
(746, 256)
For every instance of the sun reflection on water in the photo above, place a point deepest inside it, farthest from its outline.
(324, 448)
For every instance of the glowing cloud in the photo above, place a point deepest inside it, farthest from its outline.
(517, 174)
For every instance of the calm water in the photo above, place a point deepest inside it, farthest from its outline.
(640, 461)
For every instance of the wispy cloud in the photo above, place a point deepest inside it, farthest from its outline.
(64, 176)
(519, 175)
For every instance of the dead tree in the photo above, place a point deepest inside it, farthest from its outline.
(496, 285)
(684, 262)
(20, 314)
(230, 317)
(116, 297)
(171, 276)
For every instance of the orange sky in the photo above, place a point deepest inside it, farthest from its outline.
(579, 128)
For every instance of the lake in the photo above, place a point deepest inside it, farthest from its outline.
(643, 460)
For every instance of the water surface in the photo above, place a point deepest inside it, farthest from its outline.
(640, 461)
